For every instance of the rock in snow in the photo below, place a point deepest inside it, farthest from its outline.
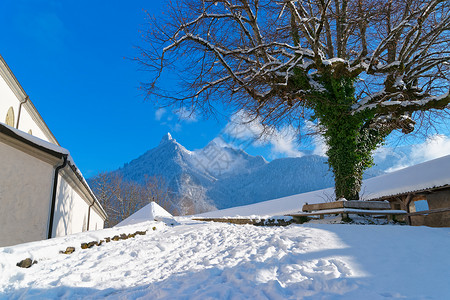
(199, 260)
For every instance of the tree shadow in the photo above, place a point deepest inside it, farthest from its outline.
(366, 264)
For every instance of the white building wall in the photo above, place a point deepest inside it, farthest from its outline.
(7, 99)
(27, 123)
(11, 96)
(71, 210)
(26, 181)
(96, 222)
(25, 195)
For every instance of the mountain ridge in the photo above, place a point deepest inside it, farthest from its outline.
(220, 176)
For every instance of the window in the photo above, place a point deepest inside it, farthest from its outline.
(10, 117)
(421, 205)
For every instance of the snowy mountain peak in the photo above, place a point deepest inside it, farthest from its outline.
(221, 176)
(167, 137)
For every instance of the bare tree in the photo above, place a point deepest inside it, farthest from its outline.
(193, 200)
(121, 198)
(105, 187)
(156, 190)
(360, 68)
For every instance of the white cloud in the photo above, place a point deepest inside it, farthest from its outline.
(382, 152)
(159, 113)
(434, 147)
(398, 166)
(175, 127)
(175, 119)
(320, 147)
(186, 115)
(219, 141)
(243, 128)
(284, 142)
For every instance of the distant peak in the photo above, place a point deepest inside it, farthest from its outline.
(167, 137)
(211, 144)
(218, 142)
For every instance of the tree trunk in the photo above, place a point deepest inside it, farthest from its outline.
(344, 160)
(350, 141)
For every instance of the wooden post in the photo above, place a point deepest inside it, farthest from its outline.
(407, 202)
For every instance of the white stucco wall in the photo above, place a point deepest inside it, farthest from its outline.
(96, 222)
(71, 210)
(7, 99)
(26, 123)
(25, 195)
(26, 181)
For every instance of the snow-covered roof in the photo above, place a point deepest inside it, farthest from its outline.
(431, 174)
(32, 140)
(148, 213)
(428, 175)
(51, 149)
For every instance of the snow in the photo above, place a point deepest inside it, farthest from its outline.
(180, 258)
(35, 140)
(166, 138)
(329, 62)
(200, 260)
(219, 160)
(219, 176)
(433, 173)
(355, 211)
(388, 103)
(150, 212)
(58, 149)
(365, 103)
(266, 209)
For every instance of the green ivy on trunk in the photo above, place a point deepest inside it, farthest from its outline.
(349, 137)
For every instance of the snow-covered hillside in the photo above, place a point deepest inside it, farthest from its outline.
(197, 260)
(187, 259)
(219, 176)
(433, 173)
(174, 163)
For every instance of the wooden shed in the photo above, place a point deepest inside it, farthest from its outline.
(422, 190)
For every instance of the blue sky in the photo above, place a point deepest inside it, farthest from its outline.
(73, 58)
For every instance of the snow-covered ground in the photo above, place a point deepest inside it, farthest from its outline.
(199, 260)
(433, 173)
